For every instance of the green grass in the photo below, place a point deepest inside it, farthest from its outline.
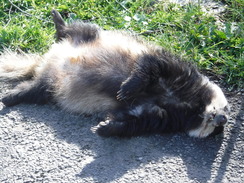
(185, 30)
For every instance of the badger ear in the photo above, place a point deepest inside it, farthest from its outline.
(59, 24)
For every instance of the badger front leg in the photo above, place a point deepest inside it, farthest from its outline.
(145, 74)
(142, 120)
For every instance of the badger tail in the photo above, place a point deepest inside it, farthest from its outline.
(18, 66)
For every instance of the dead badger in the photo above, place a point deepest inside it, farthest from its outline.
(142, 88)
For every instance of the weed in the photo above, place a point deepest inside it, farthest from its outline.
(215, 43)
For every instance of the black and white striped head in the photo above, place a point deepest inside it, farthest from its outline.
(215, 115)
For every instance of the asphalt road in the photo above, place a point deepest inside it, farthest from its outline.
(46, 144)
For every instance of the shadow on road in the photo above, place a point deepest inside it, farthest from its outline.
(235, 133)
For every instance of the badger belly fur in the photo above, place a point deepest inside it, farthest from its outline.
(142, 88)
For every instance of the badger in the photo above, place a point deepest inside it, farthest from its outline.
(138, 87)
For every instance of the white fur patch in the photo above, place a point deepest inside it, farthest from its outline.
(203, 131)
(16, 66)
(107, 40)
(137, 111)
(219, 100)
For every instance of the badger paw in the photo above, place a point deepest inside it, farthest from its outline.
(123, 95)
(10, 100)
(130, 88)
(108, 128)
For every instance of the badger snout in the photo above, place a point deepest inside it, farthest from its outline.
(220, 119)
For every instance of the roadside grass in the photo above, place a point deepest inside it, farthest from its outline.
(214, 42)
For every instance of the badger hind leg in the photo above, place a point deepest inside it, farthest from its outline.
(77, 32)
(59, 25)
(29, 92)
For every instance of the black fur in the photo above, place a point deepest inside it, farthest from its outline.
(30, 92)
(59, 25)
(154, 119)
(79, 32)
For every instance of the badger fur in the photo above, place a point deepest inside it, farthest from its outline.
(142, 88)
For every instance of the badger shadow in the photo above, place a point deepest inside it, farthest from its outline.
(114, 157)
(197, 156)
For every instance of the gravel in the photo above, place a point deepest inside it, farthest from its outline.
(46, 144)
